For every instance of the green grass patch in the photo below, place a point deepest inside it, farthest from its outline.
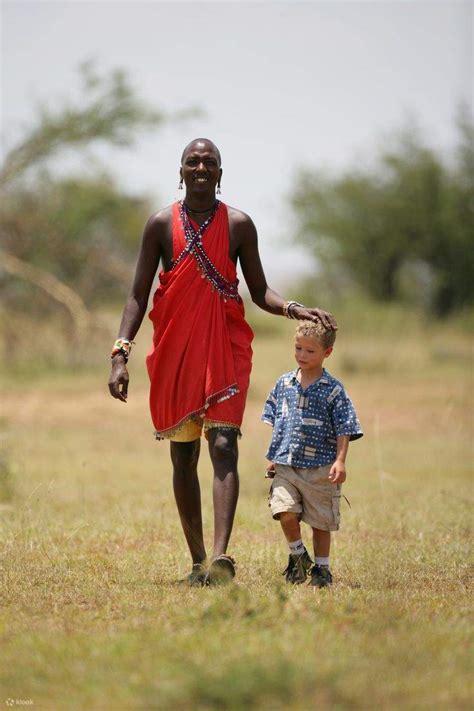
(93, 614)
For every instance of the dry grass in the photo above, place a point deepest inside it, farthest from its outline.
(92, 613)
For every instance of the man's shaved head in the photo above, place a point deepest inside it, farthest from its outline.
(201, 143)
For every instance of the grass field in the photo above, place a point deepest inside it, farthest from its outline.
(93, 616)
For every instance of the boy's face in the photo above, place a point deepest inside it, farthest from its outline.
(309, 353)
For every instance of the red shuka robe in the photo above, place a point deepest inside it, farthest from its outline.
(201, 357)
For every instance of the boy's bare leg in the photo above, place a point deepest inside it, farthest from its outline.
(224, 455)
(187, 492)
(291, 526)
(321, 543)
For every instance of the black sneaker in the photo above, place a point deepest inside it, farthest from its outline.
(297, 568)
(197, 576)
(321, 576)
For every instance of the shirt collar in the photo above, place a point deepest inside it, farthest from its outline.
(323, 380)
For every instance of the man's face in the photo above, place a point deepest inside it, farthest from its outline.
(200, 168)
(309, 353)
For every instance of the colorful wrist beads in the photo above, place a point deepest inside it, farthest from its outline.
(123, 346)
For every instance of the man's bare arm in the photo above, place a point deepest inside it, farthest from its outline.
(148, 260)
(262, 295)
(147, 264)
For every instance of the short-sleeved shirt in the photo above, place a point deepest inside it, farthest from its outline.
(306, 423)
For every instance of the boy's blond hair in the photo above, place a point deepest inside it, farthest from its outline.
(315, 329)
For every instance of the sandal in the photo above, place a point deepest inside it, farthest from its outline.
(221, 571)
(197, 576)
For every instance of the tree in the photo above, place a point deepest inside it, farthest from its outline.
(72, 238)
(413, 208)
(83, 231)
(108, 111)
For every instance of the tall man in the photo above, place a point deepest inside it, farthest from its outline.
(200, 362)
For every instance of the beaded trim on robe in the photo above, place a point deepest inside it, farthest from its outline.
(227, 289)
(217, 424)
(216, 398)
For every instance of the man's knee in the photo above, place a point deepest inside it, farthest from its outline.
(185, 455)
(223, 444)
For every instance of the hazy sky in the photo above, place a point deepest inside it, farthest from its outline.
(283, 84)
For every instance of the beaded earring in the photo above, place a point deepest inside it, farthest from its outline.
(180, 185)
(218, 191)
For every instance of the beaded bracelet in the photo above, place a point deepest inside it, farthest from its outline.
(123, 346)
(288, 308)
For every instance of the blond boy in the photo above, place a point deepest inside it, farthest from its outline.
(313, 421)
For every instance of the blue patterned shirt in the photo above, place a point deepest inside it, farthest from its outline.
(306, 423)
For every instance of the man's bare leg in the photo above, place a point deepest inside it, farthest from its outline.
(187, 492)
(224, 455)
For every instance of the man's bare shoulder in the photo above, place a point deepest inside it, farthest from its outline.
(237, 217)
(241, 226)
(160, 218)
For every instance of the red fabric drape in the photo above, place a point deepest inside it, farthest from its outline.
(201, 356)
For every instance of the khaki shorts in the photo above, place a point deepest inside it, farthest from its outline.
(308, 493)
(193, 429)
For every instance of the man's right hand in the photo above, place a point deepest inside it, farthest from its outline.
(118, 381)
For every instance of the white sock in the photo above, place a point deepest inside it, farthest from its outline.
(297, 547)
(322, 561)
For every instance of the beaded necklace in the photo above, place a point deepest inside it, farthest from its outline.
(223, 286)
(198, 212)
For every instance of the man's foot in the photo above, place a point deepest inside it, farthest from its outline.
(321, 576)
(197, 576)
(297, 568)
(221, 571)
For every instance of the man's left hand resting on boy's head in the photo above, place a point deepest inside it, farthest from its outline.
(307, 313)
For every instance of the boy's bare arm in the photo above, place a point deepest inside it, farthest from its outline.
(337, 473)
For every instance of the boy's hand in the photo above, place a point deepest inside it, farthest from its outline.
(337, 473)
(270, 471)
